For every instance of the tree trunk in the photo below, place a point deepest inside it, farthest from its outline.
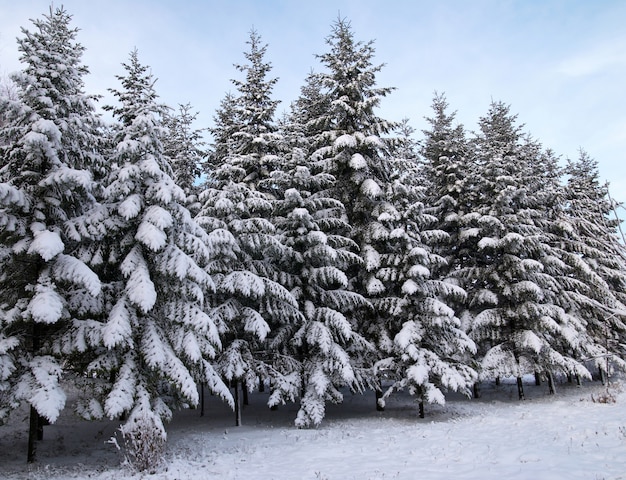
(537, 379)
(202, 399)
(551, 387)
(35, 429)
(379, 395)
(602, 376)
(244, 388)
(497, 381)
(421, 409)
(578, 383)
(32, 435)
(520, 388)
(237, 405)
(476, 389)
(261, 384)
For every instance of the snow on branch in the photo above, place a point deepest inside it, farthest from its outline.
(46, 244)
(9, 195)
(139, 287)
(42, 389)
(130, 207)
(70, 269)
(46, 306)
(117, 330)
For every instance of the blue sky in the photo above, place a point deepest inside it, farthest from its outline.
(561, 65)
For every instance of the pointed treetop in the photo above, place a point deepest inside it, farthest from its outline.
(351, 82)
(498, 128)
(138, 96)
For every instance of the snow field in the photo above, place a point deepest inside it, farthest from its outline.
(496, 437)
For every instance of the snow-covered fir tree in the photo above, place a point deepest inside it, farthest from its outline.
(448, 196)
(351, 148)
(423, 346)
(254, 140)
(248, 297)
(404, 146)
(594, 288)
(49, 155)
(445, 153)
(307, 118)
(158, 337)
(225, 124)
(317, 348)
(510, 270)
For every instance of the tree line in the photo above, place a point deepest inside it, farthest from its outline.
(321, 250)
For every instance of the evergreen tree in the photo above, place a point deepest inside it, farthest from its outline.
(248, 297)
(49, 156)
(318, 346)
(445, 154)
(159, 339)
(510, 272)
(353, 151)
(8, 92)
(595, 285)
(404, 147)
(254, 139)
(225, 125)
(425, 349)
(307, 119)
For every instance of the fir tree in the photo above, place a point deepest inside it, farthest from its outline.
(248, 297)
(424, 348)
(254, 138)
(353, 151)
(510, 273)
(404, 147)
(308, 116)
(225, 125)
(317, 347)
(49, 150)
(594, 288)
(445, 154)
(159, 339)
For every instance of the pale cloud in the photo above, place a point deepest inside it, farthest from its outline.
(601, 58)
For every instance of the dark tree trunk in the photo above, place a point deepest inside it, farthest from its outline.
(537, 379)
(520, 388)
(602, 376)
(35, 428)
(578, 383)
(379, 395)
(570, 378)
(421, 409)
(42, 422)
(476, 389)
(237, 405)
(551, 386)
(202, 399)
(244, 388)
(497, 381)
(32, 435)
(261, 384)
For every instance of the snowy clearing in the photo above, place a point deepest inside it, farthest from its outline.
(496, 437)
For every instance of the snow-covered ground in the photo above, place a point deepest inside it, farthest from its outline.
(569, 436)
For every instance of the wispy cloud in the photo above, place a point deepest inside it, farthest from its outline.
(601, 58)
